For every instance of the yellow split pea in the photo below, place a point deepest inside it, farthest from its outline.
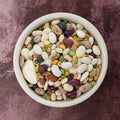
(54, 62)
(67, 73)
(46, 42)
(36, 68)
(63, 46)
(74, 57)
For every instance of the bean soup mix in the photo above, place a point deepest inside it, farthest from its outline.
(60, 60)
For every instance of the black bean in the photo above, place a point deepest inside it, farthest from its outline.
(32, 42)
(40, 59)
(64, 32)
(61, 54)
(70, 76)
(62, 25)
(93, 55)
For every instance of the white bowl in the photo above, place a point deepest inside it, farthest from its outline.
(77, 19)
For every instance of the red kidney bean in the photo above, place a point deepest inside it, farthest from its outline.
(51, 76)
(51, 88)
(70, 31)
(42, 81)
(67, 42)
(74, 82)
(71, 94)
(34, 86)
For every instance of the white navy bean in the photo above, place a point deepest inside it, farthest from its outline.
(91, 40)
(96, 50)
(68, 87)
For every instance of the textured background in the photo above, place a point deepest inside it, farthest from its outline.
(15, 15)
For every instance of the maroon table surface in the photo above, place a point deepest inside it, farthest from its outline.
(15, 15)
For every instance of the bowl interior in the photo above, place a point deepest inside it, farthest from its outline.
(35, 24)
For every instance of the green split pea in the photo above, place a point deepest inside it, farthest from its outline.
(72, 52)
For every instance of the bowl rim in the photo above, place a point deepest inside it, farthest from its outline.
(36, 23)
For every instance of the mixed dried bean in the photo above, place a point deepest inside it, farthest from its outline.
(60, 60)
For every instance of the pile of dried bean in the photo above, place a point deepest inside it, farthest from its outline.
(60, 60)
